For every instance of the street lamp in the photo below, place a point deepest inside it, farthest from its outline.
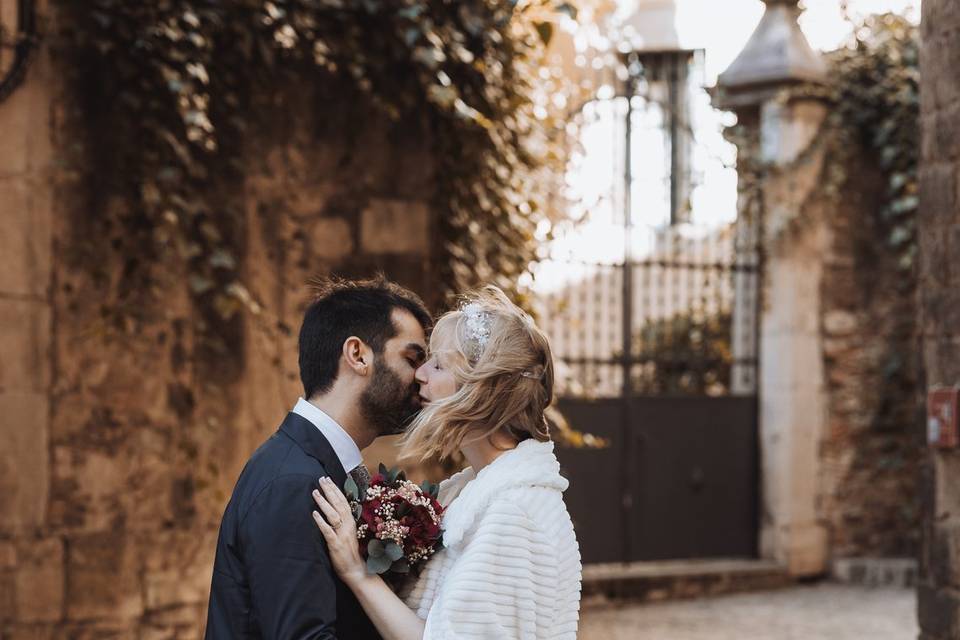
(660, 72)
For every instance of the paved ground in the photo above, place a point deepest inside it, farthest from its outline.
(822, 612)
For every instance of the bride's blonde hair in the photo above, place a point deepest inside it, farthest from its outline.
(503, 368)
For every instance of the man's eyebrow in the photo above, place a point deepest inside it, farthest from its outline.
(417, 349)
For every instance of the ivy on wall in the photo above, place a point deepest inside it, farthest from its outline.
(874, 98)
(176, 78)
(876, 104)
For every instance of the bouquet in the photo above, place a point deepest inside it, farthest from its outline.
(398, 522)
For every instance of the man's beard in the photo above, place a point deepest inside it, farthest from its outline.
(387, 404)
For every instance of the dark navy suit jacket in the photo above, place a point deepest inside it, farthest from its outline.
(272, 576)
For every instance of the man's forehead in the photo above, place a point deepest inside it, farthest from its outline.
(409, 330)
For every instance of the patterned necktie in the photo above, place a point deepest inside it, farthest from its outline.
(361, 475)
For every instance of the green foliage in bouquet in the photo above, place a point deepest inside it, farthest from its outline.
(397, 529)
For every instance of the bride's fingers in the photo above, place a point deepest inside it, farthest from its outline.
(329, 512)
(335, 497)
(328, 533)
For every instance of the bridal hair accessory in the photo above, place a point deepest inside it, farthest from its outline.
(531, 374)
(478, 329)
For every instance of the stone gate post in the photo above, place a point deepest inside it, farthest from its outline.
(772, 133)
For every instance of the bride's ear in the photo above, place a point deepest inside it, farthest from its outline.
(358, 356)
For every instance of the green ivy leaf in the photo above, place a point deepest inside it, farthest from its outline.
(569, 9)
(545, 30)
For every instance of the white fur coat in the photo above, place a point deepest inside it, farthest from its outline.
(510, 568)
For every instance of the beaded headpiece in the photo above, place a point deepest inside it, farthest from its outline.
(478, 329)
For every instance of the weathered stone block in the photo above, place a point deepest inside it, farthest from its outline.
(330, 238)
(36, 632)
(40, 581)
(24, 343)
(102, 577)
(938, 191)
(25, 244)
(938, 612)
(395, 226)
(839, 323)
(8, 607)
(944, 555)
(24, 460)
(15, 123)
(8, 554)
(947, 472)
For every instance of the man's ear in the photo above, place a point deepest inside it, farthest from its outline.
(358, 356)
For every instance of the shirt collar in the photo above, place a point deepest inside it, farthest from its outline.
(343, 445)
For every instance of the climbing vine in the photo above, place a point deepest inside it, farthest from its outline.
(172, 81)
(876, 104)
(874, 99)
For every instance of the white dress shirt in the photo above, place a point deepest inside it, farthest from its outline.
(343, 445)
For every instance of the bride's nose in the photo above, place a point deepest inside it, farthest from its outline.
(421, 374)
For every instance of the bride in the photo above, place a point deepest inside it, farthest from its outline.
(510, 566)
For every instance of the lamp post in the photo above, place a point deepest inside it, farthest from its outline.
(662, 69)
(776, 56)
(17, 38)
(770, 344)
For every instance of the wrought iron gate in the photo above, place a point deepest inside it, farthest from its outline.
(656, 350)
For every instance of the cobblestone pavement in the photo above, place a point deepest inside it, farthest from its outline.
(821, 612)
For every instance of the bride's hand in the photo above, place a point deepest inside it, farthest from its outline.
(340, 531)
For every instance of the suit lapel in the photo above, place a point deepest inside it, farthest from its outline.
(309, 438)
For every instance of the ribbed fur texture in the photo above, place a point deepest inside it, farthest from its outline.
(511, 566)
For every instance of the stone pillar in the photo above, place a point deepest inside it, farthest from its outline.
(939, 237)
(31, 565)
(791, 378)
(793, 403)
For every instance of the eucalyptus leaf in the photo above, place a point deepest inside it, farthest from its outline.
(392, 475)
(351, 490)
(400, 566)
(378, 564)
(375, 548)
(394, 551)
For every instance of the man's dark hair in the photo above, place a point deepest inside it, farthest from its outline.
(344, 308)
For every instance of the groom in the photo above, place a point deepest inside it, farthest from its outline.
(360, 344)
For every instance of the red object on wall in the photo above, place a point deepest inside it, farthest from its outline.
(942, 408)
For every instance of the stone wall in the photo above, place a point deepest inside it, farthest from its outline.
(939, 590)
(32, 571)
(122, 436)
(870, 452)
(838, 379)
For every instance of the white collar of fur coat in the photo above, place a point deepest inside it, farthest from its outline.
(530, 464)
